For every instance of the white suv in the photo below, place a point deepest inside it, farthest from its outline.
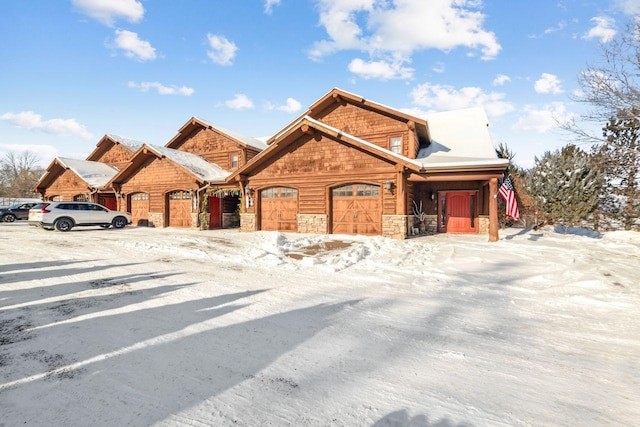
(66, 215)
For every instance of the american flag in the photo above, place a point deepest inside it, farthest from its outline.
(509, 196)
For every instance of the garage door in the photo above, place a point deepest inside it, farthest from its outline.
(357, 209)
(279, 209)
(139, 208)
(179, 209)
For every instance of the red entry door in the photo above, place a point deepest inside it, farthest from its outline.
(109, 202)
(215, 212)
(458, 215)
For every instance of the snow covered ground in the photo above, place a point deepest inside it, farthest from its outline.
(142, 326)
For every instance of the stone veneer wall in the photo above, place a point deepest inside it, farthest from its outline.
(195, 223)
(395, 226)
(156, 219)
(432, 223)
(483, 224)
(248, 222)
(312, 223)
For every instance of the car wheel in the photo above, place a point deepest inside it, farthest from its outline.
(119, 222)
(9, 218)
(63, 224)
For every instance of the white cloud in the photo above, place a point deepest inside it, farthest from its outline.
(32, 121)
(108, 11)
(221, 51)
(133, 47)
(501, 79)
(444, 98)
(381, 70)
(543, 119)
(240, 102)
(439, 68)
(548, 83)
(291, 106)
(162, 89)
(268, 5)
(602, 29)
(402, 27)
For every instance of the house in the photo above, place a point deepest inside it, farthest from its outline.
(350, 165)
(79, 180)
(347, 165)
(162, 187)
(226, 148)
(66, 179)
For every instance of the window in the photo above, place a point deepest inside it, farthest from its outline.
(361, 190)
(395, 144)
(288, 192)
(283, 193)
(367, 190)
(140, 196)
(178, 195)
(234, 161)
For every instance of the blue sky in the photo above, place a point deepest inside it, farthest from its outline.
(75, 70)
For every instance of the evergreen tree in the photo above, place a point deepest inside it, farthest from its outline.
(619, 158)
(565, 185)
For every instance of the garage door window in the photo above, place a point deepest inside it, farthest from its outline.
(140, 196)
(361, 190)
(179, 195)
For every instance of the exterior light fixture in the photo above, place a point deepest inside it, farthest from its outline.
(388, 185)
(248, 190)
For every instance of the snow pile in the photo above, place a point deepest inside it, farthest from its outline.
(145, 326)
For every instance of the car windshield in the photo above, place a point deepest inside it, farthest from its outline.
(40, 205)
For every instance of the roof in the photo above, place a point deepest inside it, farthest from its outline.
(107, 141)
(183, 133)
(95, 174)
(459, 139)
(247, 140)
(193, 163)
(132, 144)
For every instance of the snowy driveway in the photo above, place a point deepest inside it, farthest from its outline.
(146, 326)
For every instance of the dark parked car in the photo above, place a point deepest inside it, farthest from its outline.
(17, 211)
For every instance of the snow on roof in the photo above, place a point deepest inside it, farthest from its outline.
(195, 164)
(250, 141)
(133, 145)
(459, 138)
(96, 174)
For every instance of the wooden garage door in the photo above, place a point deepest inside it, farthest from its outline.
(139, 209)
(356, 209)
(279, 209)
(179, 209)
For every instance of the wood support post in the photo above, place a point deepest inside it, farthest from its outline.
(401, 192)
(493, 210)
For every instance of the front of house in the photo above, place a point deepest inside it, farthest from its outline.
(390, 174)
(346, 166)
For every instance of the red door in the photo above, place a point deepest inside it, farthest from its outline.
(215, 212)
(109, 202)
(457, 212)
